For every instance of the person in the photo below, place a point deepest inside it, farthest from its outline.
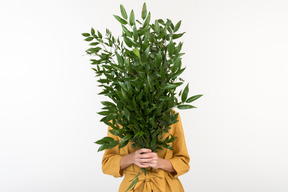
(167, 165)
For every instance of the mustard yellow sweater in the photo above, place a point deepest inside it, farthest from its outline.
(157, 180)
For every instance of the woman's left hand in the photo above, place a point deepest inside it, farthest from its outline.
(159, 163)
(156, 161)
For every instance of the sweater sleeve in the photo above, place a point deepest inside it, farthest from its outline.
(111, 159)
(180, 160)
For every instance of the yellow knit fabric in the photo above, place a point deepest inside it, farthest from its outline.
(157, 180)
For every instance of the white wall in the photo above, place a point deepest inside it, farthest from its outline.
(236, 55)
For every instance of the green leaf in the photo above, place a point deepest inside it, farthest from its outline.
(139, 133)
(179, 47)
(108, 32)
(180, 93)
(171, 48)
(126, 112)
(144, 170)
(146, 42)
(126, 31)
(117, 67)
(136, 52)
(171, 139)
(119, 59)
(160, 148)
(94, 43)
(135, 33)
(123, 12)
(179, 72)
(127, 41)
(146, 54)
(127, 137)
(100, 142)
(167, 146)
(99, 35)
(171, 86)
(132, 18)
(147, 21)
(145, 31)
(159, 58)
(86, 34)
(193, 98)
(122, 21)
(157, 28)
(103, 81)
(104, 113)
(109, 117)
(161, 21)
(122, 85)
(176, 36)
(107, 103)
(176, 63)
(113, 132)
(144, 11)
(162, 73)
(113, 144)
(107, 139)
(163, 32)
(177, 26)
(102, 147)
(153, 142)
(185, 93)
(170, 147)
(92, 32)
(150, 82)
(123, 143)
(185, 106)
(89, 39)
(132, 184)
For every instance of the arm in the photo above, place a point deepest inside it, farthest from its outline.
(180, 160)
(166, 165)
(125, 161)
(111, 159)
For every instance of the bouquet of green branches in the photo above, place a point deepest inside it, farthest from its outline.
(139, 72)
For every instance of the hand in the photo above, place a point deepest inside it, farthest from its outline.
(143, 157)
(159, 163)
(156, 161)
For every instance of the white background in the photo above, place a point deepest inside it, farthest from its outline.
(236, 55)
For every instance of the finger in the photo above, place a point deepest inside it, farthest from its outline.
(153, 162)
(145, 160)
(146, 156)
(153, 154)
(145, 165)
(144, 150)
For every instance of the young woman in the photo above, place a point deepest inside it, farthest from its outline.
(166, 164)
